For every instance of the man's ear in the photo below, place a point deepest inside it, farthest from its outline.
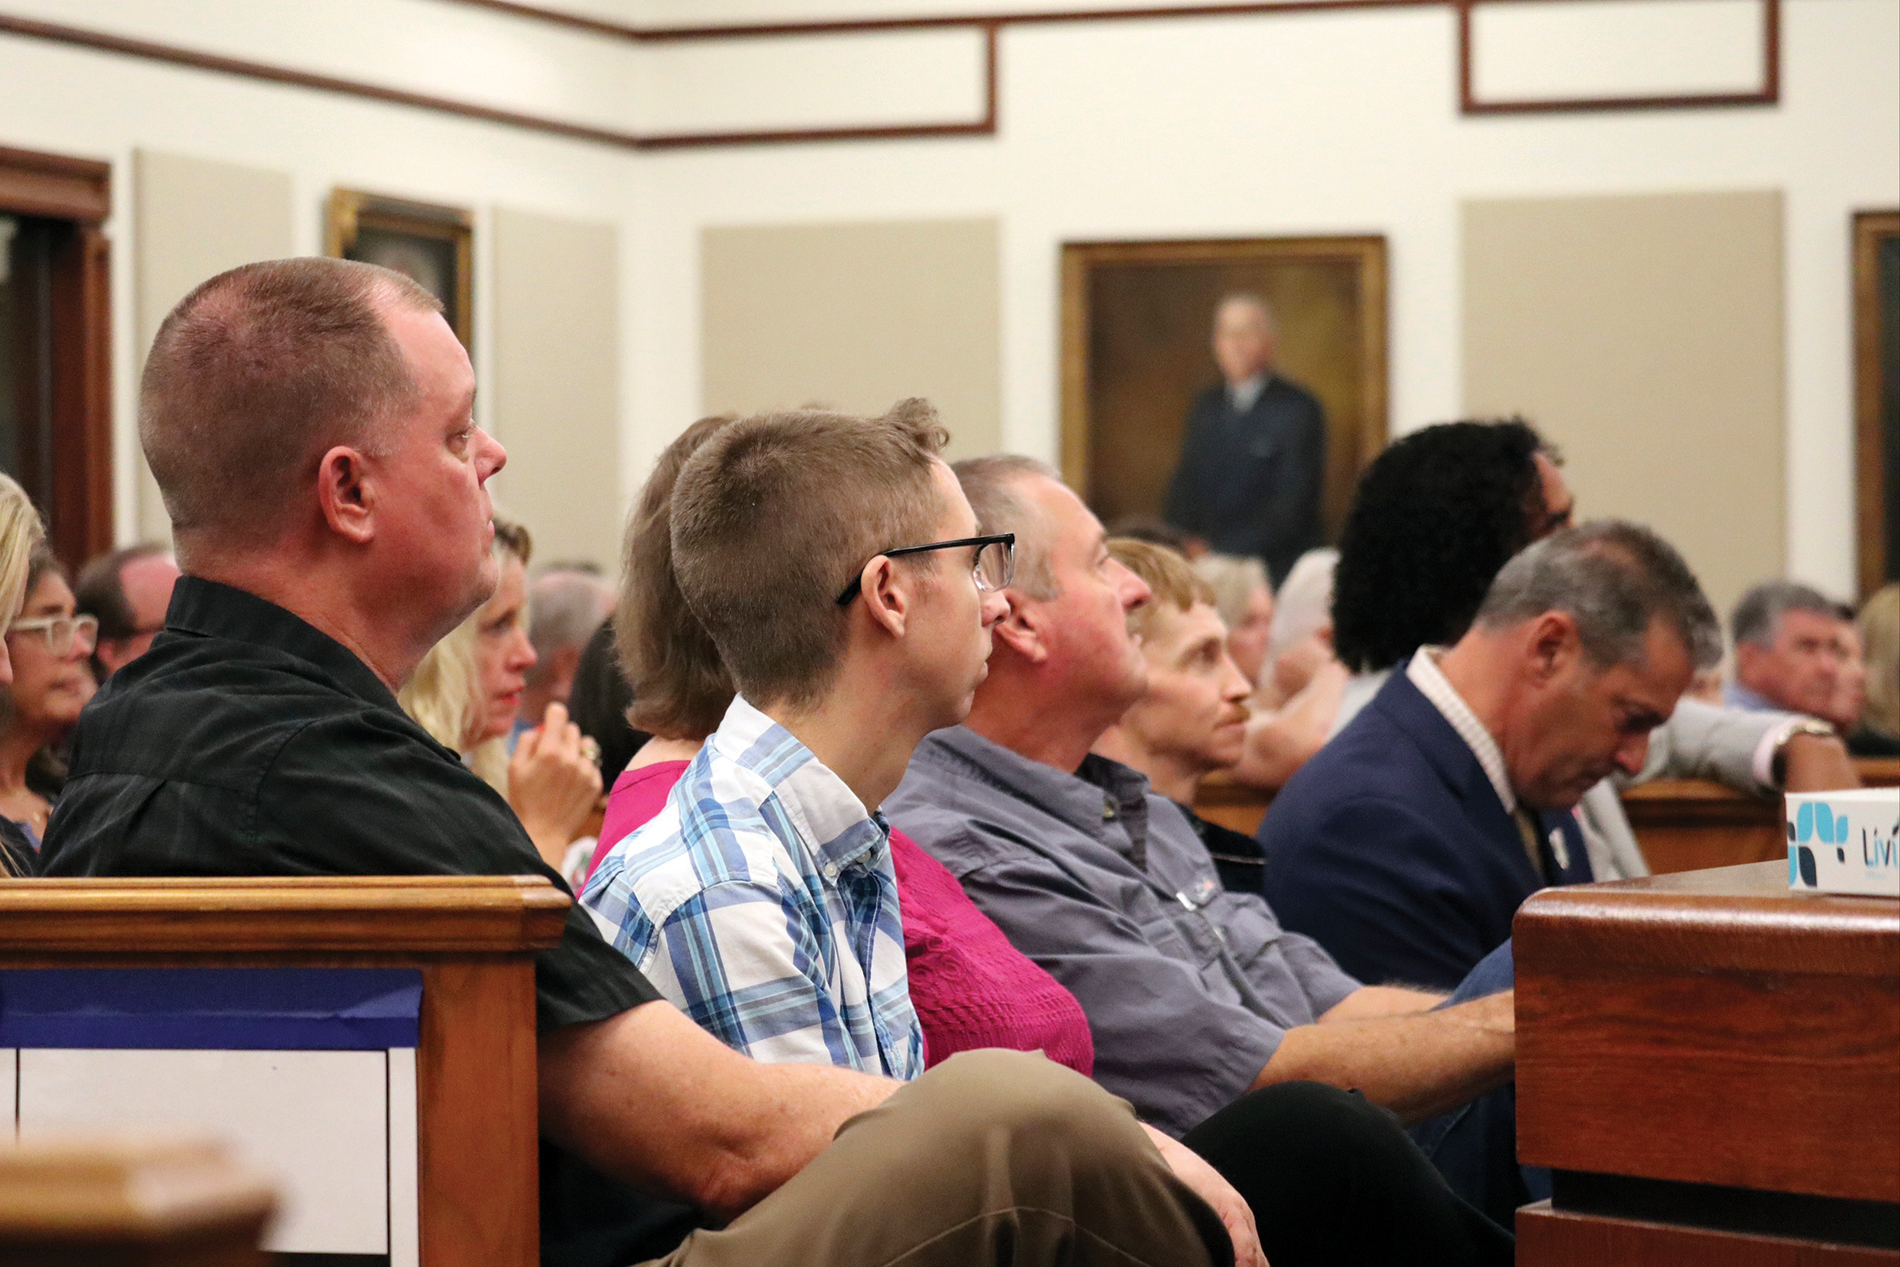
(887, 595)
(1023, 627)
(1554, 645)
(343, 491)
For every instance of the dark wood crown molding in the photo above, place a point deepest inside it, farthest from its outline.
(989, 25)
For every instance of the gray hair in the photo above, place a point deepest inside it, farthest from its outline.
(1757, 616)
(1233, 578)
(1304, 604)
(565, 607)
(1614, 578)
(991, 485)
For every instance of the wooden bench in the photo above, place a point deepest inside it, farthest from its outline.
(1710, 1064)
(447, 1117)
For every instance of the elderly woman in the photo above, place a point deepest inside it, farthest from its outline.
(49, 648)
(466, 691)
(20, 535)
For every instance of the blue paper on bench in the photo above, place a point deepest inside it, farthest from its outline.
(211, 1009)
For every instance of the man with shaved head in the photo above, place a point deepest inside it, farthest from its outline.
(309, 424)
(1253, 449)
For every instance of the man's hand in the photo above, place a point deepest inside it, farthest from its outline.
(1208, 1185)
(1816, 763)
(552, 787)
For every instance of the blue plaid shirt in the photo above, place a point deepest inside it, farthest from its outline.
(762, 901)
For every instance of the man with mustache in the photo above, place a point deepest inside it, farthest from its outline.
(1192, 720)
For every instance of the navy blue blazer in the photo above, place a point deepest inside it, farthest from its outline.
(1250, 483)
(1391, 849)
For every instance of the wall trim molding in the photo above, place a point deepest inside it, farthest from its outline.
(1768, 94)
(989, 26)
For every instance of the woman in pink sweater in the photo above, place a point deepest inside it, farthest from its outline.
(970, 987)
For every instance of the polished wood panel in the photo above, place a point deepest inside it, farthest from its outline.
(477, 1054)
(1694, 824)
(52, 919)
(1714, 1028)
(55, 186)
(129, 1204)
(1558, 1238)
(1878, 771)
(1231, 804)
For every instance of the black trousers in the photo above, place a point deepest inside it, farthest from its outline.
(1333, 1178)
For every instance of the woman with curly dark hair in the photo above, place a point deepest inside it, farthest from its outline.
(1433, 519)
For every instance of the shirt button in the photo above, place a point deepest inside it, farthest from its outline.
(1108, 811)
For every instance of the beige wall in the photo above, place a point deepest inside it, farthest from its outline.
(557, 383)
(196, 218)
(856, 316)
(1644, 336)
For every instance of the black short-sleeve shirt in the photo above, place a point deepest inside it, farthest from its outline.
(246, 742)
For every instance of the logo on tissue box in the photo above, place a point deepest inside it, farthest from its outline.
(1815, 823)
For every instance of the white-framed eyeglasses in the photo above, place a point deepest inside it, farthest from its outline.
(61, 633)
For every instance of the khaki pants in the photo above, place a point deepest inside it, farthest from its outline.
(991, 1157)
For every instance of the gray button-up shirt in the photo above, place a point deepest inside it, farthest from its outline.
(1188, 988)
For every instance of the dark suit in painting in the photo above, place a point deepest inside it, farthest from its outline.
(1249, 482)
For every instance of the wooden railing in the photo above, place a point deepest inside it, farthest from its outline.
(1710, 1065)
(472, 1190)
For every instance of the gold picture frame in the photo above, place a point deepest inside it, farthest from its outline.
(1877, 397)
(1136, 321)
(431, 244)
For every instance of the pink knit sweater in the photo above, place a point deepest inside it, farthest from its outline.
(970, 987)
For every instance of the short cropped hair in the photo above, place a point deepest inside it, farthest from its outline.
(1233, 579)
(1432, 520)
(774, 516)
(992, 486)
(564, 610)
(100, 589)
(1614, 578)
(680, 686)
(1757, 615)
(1169, 577)
(256, 374)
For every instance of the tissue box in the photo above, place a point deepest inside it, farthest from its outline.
(1844, 842)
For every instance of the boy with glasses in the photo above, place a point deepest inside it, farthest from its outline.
(837, 566)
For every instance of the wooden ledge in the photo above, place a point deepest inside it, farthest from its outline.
(215, 916)
(100, 1192)
(1727, 918)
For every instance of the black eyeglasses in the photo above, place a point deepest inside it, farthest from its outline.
(994, 565)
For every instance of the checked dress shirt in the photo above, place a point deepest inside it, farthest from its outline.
(762, 901)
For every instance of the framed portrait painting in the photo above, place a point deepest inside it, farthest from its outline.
(1877, 396)
(1137, 321)
(429, 244)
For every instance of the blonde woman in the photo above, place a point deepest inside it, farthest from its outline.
(20, 532)
(465, 694)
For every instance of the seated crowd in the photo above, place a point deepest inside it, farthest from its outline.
(899, 937)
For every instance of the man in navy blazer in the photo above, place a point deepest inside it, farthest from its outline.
(1406, 844)
(1253, 451)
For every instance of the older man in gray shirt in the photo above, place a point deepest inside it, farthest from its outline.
(1195, 996)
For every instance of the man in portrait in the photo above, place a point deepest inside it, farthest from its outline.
(1253, 450)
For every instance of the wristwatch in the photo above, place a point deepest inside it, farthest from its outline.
(1804, 726)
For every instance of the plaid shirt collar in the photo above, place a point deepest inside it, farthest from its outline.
(827, 814)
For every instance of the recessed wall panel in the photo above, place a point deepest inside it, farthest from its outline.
(856, 316)
(1644, 336)
(1556, 50)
